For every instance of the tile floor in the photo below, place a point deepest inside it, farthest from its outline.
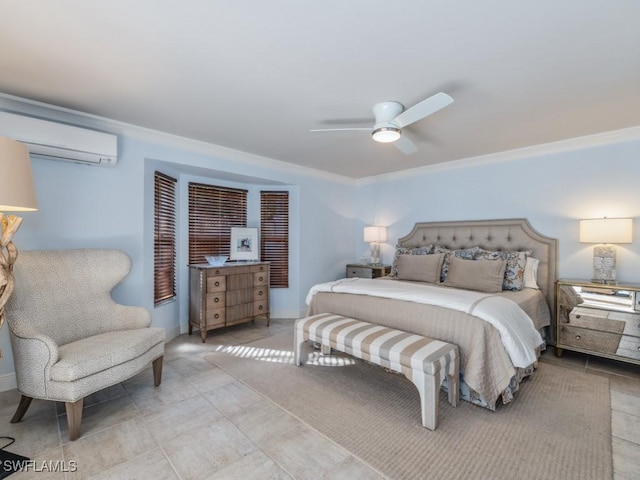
(202, 424)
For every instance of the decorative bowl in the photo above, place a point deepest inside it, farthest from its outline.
(216, 260)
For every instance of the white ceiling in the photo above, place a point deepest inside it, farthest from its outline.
(256, 75)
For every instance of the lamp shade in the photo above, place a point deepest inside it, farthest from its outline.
(16, 180)
(375, 234)
(606, 230)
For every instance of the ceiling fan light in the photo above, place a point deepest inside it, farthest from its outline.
(386, 134)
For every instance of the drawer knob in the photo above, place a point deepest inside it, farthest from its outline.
(217, 284)
(260, 293)
(216, 300)
(217, 315)
(261, 269)
(578, 316)
(261, 278)
(217, 272)
(577, 337)
(260, 307)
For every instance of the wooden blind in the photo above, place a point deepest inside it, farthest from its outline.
(212, 212)
(274, 235)
(164, 238)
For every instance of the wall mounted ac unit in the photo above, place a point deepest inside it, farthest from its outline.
(58, 141)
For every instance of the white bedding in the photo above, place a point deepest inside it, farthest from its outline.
(517, 331)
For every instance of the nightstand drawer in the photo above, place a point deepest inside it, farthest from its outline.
(595, 319)
(629, 347)
(591, 340)
(360, 272)
(631, 320)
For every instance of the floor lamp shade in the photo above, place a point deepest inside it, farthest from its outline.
(16, 179)
(18, 195)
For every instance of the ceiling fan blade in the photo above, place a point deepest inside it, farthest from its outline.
(423, 109)
(341, 130)
(405, 145)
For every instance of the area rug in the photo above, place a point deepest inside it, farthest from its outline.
(558, 427)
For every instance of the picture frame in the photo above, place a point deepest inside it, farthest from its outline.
(244, 244)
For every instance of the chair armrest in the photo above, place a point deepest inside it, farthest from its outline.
(33, 354)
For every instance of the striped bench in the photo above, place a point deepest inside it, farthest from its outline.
(422, 360)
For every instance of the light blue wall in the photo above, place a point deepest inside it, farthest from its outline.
(85, 207)
(553, 191)
(81, 206)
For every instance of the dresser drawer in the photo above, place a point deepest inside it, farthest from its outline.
(260, 293)
(260, 278)
(586, 339)
(261, 308)
(359, 272)
(215, 317)
(216, 284)
(215, 300)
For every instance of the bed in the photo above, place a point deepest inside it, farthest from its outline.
(490, 372)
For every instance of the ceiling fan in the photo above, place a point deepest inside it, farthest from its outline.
(391, 118)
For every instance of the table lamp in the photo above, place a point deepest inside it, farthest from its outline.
(605, 231)
(375, 235)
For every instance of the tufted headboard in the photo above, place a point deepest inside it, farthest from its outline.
(515, 234)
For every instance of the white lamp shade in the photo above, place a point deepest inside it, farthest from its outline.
(606, 230)
(375, 234)
(16, 180)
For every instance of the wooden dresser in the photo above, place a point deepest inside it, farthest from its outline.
(227, 295)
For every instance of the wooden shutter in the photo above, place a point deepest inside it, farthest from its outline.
(164, 238)
(212, 212)
(274, 235)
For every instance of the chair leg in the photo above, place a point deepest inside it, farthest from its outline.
(74, 417)
(23, 406)
(157, 370)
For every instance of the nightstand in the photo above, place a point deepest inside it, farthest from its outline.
(597, 319)
(362, 270)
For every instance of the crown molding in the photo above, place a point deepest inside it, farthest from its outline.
(568, 145)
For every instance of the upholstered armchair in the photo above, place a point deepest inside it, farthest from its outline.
(69, 338)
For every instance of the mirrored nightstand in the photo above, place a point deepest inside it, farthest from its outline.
(598, 319)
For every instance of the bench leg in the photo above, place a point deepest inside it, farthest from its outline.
(453, 377)
(297, 346)
(429, 389)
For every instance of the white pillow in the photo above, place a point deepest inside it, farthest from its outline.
(531, 273)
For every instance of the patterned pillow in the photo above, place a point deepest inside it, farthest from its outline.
(516, 262)
(424, 250)
(465, 253)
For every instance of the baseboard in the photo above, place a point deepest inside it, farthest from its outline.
(8, 382)
(288, 314)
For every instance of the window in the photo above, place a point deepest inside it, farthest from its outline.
(212, 212)
(274, 235)
(164, 238)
